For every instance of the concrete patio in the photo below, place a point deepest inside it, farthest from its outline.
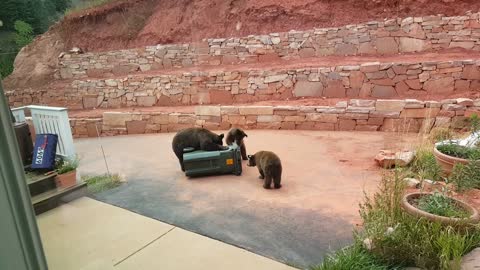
(88, 234)
(325, 175)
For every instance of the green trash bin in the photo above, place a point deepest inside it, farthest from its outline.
(202, 163)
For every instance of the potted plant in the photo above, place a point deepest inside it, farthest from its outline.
(450, 152)
(438, 207)
(66, 172)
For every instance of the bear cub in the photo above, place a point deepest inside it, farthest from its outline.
(236, 135)
(197, 138)
(269, 166)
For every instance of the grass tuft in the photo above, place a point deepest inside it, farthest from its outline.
(466, 176)
(99, 183)
(425, 165)
(352, 257)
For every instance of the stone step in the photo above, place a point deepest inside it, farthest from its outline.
(392, 36)
(55, 197)
(414, 76)
(40, 182)
(394, 115)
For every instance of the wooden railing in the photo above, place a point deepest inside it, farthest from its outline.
(53, 120)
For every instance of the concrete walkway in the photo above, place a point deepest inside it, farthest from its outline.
(88, 234)
(324, 177)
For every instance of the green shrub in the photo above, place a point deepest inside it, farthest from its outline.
(66, 165)
(6, 64)
(425, 165)
(24, 33)
(439, 204)
(466, 176)
(99, 183)
(459, 151)
(411, 241)
(474, 123)
(439, 134)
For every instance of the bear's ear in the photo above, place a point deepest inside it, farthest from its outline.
(221, 136)
(245, 134)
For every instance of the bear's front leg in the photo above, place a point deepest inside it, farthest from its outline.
(243, 151)
(262, 176)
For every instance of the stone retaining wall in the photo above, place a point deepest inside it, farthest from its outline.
(392, 36)
(408, 115)
(368, 80)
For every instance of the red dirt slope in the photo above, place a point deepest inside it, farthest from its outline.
(126, 24)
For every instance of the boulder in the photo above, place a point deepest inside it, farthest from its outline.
(412, 182)
(388, 159)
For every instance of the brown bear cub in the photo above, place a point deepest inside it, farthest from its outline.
(269, 166)
(236, 135)
(197, 138)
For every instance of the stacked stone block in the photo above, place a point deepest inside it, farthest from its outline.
(412, 34)
(400, 115)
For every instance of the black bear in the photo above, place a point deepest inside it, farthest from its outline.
(197, 138)
(269, 166)
(236, 135)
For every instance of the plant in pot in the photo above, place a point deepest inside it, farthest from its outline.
(66, 172)
(451, 152)
(438, 207)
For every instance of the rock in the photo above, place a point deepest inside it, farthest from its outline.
(76, 50)
(389, 230)
(412, 44)
(385, 158)
(207, 110)
(256, 110)
(390, 105)
(268, 118)
(465, 102)
(404, 158)
(362, 102)
(111, 82)
(116, 119)
(471, 260)
(471, 72)
(335, 89)
(368, 244)
(439, 86)
(386, 45)
(356, 79)
(136, 127)
(380, 91)
(388, 159)
(308, 89)
(427, 184)
(306, 52)
(345, 49)
(412, 182)
(275, 78)
(146, 101)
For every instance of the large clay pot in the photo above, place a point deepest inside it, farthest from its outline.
(447, 162)
(414, 211)
(66, 180)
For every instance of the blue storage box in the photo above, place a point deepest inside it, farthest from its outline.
(44, 151)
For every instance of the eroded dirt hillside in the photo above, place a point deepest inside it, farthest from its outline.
(127, 24)
(144, 22)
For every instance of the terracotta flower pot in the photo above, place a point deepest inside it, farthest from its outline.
(414, 211)
(67, 179)
(447, 162)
